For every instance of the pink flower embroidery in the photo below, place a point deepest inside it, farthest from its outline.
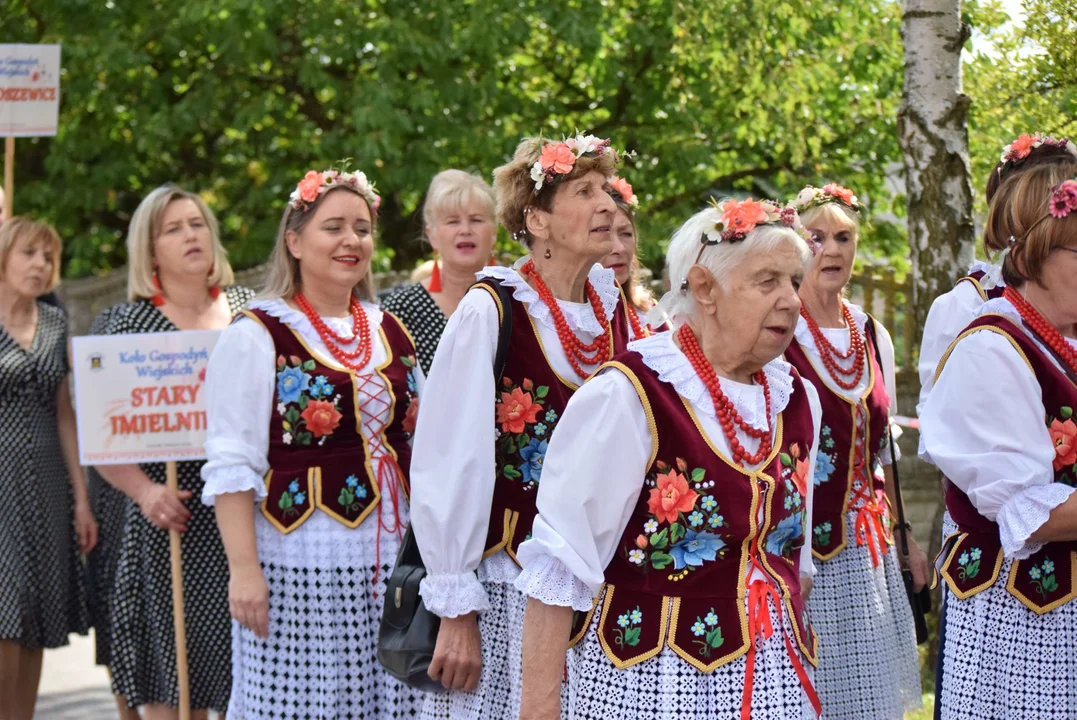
(1064, 437)
(558, 159)
(516, 410)
(671, 497)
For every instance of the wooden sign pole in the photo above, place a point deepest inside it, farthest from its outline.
(172, 476)
(9, 176)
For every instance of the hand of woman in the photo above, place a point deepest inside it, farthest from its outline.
(806, 584)
(163, 509)
(248, 598)
(457, 660)
(918, 565)
(85, 527)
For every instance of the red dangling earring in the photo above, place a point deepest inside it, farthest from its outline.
(214, 291)
(158, 298)
(493, 260)
(435, 277)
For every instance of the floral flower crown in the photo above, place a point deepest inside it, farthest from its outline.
(1063, 199)
(740, 217)
(1023, 146)
(557, 159)
(315, 184)
(623, 190)
(811, 197)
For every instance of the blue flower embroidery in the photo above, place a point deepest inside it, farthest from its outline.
(695, 548)
(293, 487)
(964, 559)
(711, 619)
(622, 620)
(976, 553)
(1048, 566)
(824, 468)
(787, 531)
(698, 628)
(299, 498)
(360, 492)
(352, 481)
(321, 387)
(533, 455)
(291, 383)
(709, 503)
(717, 520)
(413, 381)
(540, 429)
(1033, 572)
(696, 518)
(636, 617)
(551, 416)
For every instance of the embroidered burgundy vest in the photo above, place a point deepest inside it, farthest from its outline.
(848, 475)
(319, 456)
(973, 558)
(679, 576)
(976, 277)
(529, 400)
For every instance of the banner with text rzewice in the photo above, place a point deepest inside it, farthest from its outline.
(29, 90)
(139, 398)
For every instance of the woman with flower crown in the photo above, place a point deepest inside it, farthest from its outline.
(482, 436)
(624, 260)
(1007, 646)
(868, 666)
(677, 491)
(309, 473)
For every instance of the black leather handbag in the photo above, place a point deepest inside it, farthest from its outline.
(409, 632)
(920, 602)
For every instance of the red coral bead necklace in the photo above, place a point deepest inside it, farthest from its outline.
(1039, 325)
(830, 354)
(355, 359)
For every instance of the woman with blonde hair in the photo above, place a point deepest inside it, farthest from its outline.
(1000, 425)
(868, 667)
(42, 592)
(460, 226)
(624, 260)
(483, 432)
(178, 279)
(309, 471)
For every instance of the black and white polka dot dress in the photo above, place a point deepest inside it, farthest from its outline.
(423, 319)
(42, 588)
(143, 651)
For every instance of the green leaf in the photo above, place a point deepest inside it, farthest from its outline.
(308, 365)
(632, 636)
(303, 401)
(1066, 413)
(285, 501)
(304, 438)
(542, 391)
(973, 569)
(510, 446)
(714, 638)
(698, 474)
(522, 440)
(786, 460)
(407, 361)
(676, 532)
(346, 497)
(511, 473)
(660, 539)
(292, 415)
(1050, 583)
(661, 560)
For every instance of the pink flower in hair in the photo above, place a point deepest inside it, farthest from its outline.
(842, 193)
(310, 185)
(557, 158)
(1022, 146)
(623, 189)
(742, 217)
(1064, 199)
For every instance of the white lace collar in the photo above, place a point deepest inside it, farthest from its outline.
(296, 320)
(580, 316)
(662, 355)
(804, 337)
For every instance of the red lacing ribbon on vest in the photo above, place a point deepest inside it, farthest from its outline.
(761, 628)
(869, 517)
(387, 472)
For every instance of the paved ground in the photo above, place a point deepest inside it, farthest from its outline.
(72, 686)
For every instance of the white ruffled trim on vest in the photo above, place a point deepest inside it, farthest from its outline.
(580, 316)
(660, 354)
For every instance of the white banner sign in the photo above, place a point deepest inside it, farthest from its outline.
(29, 90)
(139, 398)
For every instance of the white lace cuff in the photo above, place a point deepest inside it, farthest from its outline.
(1024, 513)
(453, 594)
(232, 479)
(548, 580)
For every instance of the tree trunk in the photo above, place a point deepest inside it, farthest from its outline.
(934, 137)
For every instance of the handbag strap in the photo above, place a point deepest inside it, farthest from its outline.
(893, 456)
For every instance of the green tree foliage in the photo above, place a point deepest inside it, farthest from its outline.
(236, 98)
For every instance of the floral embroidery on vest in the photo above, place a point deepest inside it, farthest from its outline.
(969, 563)
(1043, 577)
(1064, 438)
(412, 413)
(822, 533)
(711, 632)
(522, 433)
(824, 462)
(686, 542)
(628, 631)
(309, 411)
(351, 494)
(291, 499)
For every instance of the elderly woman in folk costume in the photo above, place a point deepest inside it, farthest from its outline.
(482, 436)
(309, 472)
(868, 667)
(952, 311)
(677, 489)
(624, 260)
(1007, 643)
